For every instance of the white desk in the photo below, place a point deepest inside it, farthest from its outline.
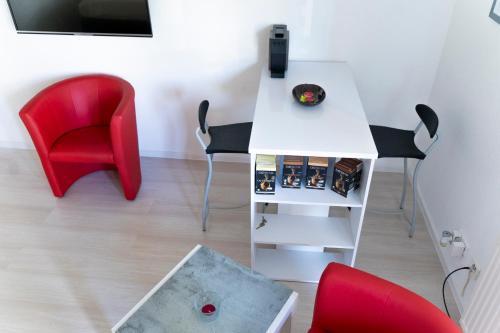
(305, 236)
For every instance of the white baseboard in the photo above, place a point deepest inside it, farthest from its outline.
(435, 236)
(171, 154)
(16, 145)
(463, 325)
(234, 158)
(389, 165)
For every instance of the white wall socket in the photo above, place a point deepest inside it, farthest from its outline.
(457, 248)
(455, 241)
(446, 238)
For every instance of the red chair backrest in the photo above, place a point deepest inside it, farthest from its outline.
(351, 301)
(74, 103)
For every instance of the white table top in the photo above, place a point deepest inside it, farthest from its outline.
(335, 128)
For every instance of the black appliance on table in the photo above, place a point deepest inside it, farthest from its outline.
(278, 50)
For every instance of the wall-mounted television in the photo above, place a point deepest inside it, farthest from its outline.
(82, 17)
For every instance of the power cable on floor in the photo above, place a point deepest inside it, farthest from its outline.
(444, 284)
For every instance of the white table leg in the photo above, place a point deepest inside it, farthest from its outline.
(287, 327)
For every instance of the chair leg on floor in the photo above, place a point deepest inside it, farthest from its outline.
(405, 182)
(205, 210)
(414, 210)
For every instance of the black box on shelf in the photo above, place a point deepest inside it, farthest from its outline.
(317, 168)
(293, 171)
(265, 174)
(347, 176)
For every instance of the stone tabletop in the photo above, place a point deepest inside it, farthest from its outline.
(250, 301)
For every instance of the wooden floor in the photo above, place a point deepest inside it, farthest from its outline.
(78, 264)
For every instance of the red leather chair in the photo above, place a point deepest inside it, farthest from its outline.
(84, 124)
(351, 301)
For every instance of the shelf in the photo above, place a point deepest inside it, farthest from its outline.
(332, 232)
(289, 265)
(306, 196)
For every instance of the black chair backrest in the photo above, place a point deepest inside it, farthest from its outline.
(429, 118)
(202, 115)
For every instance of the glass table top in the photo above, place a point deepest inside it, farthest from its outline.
(249, 301)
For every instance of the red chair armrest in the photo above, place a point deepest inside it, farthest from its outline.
(123, 125)
(125, 144)
(43, 129)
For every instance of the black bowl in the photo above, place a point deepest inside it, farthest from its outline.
(318, 94)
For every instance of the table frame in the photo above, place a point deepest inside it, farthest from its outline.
(280, 324)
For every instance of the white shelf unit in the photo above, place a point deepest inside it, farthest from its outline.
(300, 239)
(298, 244)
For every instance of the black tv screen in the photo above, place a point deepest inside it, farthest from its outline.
(93, 17)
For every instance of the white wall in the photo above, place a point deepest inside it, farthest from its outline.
(460, 185)
(214, 49)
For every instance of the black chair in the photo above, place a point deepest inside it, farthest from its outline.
(232, 138)
(393, 142)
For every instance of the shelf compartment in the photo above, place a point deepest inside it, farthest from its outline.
(290, 265)
(281, 229)
(306, 196)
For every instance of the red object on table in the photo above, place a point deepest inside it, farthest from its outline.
(351, 301)
(208, 309)
(84, 124)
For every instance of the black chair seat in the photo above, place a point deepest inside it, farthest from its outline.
(233, 138)
(394, 142)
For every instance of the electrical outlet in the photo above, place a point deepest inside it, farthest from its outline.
(455, 242)
(457, 248)
(457, 236)
(474, 271)
(446, 238)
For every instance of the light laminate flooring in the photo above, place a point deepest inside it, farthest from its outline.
(79, 263)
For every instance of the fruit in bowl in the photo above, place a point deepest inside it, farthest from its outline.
(307, 97)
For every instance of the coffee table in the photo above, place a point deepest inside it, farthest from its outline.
(251, 303)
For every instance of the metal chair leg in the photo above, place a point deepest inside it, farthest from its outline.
(205, 210)
(414, 210)
(405, 182)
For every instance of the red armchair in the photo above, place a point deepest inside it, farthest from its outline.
(351, 301)
(84, 124)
